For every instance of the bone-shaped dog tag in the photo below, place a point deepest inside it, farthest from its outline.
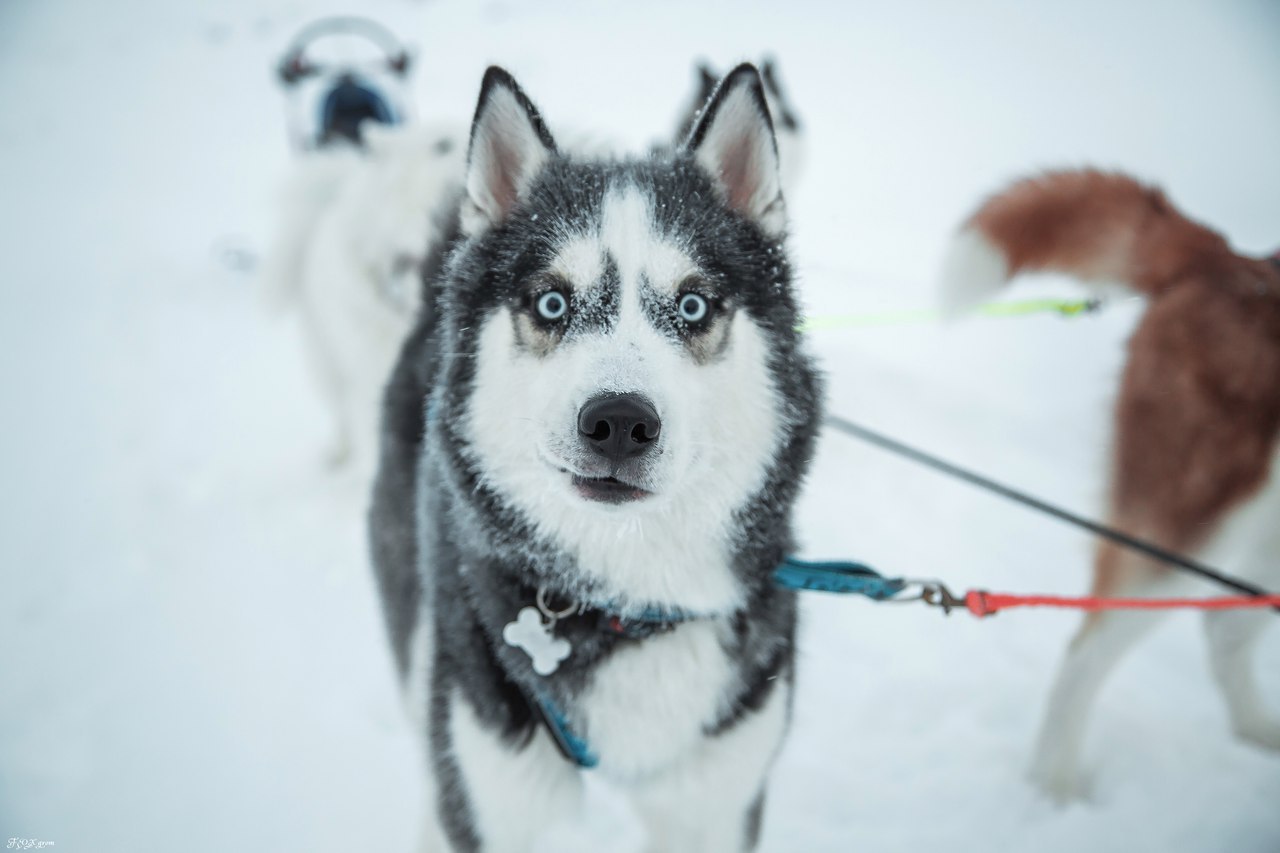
(537, 639)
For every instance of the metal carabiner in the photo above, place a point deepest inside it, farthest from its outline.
(936, 594)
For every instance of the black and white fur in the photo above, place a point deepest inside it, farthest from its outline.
(487, 491)
(788, 130)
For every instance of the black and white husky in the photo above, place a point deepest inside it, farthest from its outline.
(591, 446)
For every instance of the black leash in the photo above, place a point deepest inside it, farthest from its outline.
(1120, 538)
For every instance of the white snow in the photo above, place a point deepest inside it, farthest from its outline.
(190, 653)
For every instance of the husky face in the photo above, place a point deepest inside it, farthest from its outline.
(619, 332)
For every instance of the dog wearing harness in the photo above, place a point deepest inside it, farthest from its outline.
(591, 445)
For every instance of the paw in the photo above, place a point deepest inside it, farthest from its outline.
(1263, 732)
(337, 454)
(1060, 781)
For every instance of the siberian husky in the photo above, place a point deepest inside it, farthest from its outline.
(353, 232)
(1197, 421)
(591, 445)
(787, 129)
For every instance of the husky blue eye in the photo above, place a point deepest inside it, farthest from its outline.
(693, 308)
(552, 305)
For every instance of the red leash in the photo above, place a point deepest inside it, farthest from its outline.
(981, 603)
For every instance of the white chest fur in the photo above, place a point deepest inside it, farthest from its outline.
(649, 703)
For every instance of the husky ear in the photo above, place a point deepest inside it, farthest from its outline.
(707, 79)
(780, 110)
(769, 74)
(733, 142)
(509, 146)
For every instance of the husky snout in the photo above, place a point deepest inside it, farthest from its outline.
(619, 427)
(621, 430)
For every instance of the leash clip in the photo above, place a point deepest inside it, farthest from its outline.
(932, 592)
(936, 594)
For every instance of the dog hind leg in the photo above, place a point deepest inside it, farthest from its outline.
(1101, 641)
(1232, 637)
(1093, 653)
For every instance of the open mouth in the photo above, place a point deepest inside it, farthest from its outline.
(609, 490)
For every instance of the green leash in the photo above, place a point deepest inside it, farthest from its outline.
(1021, 308)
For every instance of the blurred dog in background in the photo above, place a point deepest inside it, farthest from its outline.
(1196, 421)
(354, 227)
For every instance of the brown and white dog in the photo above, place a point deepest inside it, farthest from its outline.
(1196, 422)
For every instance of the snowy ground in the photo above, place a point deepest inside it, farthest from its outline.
(190, 654)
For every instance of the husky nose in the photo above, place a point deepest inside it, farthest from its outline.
(619, 426)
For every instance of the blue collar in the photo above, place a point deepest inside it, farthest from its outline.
(794, 574)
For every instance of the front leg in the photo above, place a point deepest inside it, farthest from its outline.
(711, 802)
(492, 794)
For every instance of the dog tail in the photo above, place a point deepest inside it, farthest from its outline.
(302, 201)
(1099, 227)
